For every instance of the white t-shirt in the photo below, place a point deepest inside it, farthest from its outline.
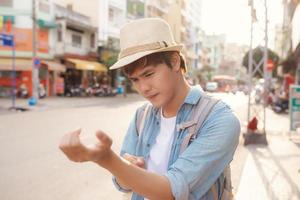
(160, 152)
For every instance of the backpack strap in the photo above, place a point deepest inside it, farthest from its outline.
(199, 115)
(227, 183)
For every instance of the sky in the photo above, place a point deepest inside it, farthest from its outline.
(232, 17)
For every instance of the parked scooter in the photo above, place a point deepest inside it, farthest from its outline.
(41, 91)
(72, 91)
(279, 102)
(23, 91)
(280, 105)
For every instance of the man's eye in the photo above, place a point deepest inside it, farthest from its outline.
(150, 74)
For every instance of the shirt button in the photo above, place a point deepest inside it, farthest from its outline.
(157, 123)
(148, 145)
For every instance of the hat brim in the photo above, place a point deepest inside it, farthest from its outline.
(131, 58)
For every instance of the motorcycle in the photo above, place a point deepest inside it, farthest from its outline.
(280, 105)
(73, 91)
(23, 91)
(41, 91)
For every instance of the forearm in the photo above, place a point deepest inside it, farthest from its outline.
(147, 184)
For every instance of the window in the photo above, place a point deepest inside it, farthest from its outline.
(59, 33)
(113, 43)
(44, 7)
(110, 15)
(5, 3)
(76, 40)
(70, 6)
(93, 40)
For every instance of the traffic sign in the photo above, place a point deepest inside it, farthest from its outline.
(6, 40)
(270, 65)
(294, 107)
(36, 62)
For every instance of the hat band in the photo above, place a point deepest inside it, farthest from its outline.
(144, 47)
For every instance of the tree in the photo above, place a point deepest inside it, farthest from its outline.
(258, 54)
(291, 62)
(207, 71)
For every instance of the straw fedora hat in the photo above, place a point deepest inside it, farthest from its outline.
(143, 37)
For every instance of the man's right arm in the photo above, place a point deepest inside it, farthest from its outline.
(135, 160)
(147, 184)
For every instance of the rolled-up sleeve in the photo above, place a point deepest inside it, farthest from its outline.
(179, 184)
(128, 146)
(117, 185)
(200, 165)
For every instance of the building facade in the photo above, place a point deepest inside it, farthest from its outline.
(16, 17)
(76, 47)
(296, 28)
(213, 46)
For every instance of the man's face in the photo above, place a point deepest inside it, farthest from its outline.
(155, 83)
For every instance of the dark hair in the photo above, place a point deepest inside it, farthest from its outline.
(154, 59)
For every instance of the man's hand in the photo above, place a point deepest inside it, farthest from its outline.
(127, 170)
(138, 161)
(73, 148)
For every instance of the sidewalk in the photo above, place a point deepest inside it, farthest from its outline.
(258, 172)
(273, 171)
(65, 102)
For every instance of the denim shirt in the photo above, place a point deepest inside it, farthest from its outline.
(191, 173)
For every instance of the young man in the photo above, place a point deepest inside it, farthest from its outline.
(151, 164)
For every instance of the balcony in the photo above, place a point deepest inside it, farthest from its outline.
(73, 18)
(160, 6)
(62, 48)
(121, 5)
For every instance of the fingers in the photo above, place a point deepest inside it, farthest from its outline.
(104, 138)
(138, 161)
(72, 147)
(129, 157)
(74, 137)
(71, 138)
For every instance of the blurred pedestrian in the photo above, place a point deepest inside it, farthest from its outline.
(124, 85)
(165, 155)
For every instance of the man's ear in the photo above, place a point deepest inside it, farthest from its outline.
(175, 61)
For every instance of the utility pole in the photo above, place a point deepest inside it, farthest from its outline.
(35, 70)
(257, 110)
(267, 75)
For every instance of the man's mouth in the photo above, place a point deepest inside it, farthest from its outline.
(151, 96)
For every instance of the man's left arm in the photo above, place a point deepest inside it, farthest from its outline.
(200, 165)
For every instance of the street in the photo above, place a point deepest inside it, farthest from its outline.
(32, 166)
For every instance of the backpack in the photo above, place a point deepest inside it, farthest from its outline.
(198, 116)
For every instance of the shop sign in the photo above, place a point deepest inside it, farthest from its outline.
(294, 107)
(6, 40)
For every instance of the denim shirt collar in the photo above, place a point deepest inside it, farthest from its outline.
(194, 95)
(192, 98)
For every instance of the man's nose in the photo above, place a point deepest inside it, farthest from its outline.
(144, 87)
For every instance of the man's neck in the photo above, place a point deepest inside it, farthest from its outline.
(171, 109)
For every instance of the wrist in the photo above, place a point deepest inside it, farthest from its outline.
(106, 160)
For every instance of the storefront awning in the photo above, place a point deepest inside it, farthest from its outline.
(54, 66)
(20, 64)
(87, 65)
(26, 65)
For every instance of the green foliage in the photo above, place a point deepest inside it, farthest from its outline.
(258, 54)
(290, 63)
(111, 60)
